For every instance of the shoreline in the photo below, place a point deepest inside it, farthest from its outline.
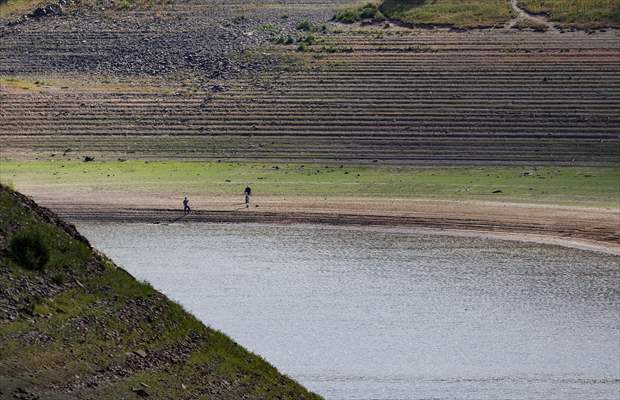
(588, 238)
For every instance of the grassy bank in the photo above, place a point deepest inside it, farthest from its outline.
(583, 14)
(458, 13)
(577, 13)
(14, 8)
(74, 325)
(556, 185)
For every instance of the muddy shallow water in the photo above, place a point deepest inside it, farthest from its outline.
(370, 314)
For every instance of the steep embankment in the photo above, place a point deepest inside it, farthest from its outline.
(74, 325)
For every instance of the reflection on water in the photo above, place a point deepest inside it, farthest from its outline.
(359, 314)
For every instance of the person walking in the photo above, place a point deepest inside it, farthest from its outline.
(186, 208)
(248, 194)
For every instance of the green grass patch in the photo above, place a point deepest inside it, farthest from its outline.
(552, 185)
(14, 8)
(308, 26)
(457, 13)
(34, 245)
(23, 84)
(367, 11)
(577, 13)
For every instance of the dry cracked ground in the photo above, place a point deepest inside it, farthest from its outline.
(207, 81)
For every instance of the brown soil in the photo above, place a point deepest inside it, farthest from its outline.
(522, 221)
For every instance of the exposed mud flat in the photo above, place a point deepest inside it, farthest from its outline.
(570, 225)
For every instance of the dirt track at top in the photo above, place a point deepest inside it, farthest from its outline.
(207, 85)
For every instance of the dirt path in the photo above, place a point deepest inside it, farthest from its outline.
(523, 15)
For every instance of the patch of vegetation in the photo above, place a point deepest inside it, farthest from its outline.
(554, 185)
(336, 49)
(420, 49)
(14, 8)
(39, 246)
(308, 39)
(29, 250)
(303, 41)
(586, 14)
(270, 28)
(23, 84)
(305, 26)
(457, 13)
(67, 327)
(284, 40)
(368, 11)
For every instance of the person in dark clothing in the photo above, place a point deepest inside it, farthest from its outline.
(186, 208)
(248, 194)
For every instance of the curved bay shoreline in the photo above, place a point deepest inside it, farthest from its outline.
(592, 238)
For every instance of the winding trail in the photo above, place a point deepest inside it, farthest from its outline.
(523, 15)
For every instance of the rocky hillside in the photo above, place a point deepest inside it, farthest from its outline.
(75, 326)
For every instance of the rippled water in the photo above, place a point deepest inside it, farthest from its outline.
(362, 314)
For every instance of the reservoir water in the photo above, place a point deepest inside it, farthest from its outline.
(372, 314)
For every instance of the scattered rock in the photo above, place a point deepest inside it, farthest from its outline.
(497, 191)
(89, 158)
(140, 392)
(140, 353)
(23, 394)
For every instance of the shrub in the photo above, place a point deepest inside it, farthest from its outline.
(284, 40)
(309, 39)
(59, 278)
(29, 250)
(306, 26)
(368, 11)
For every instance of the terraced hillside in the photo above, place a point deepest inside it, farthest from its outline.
(354, 94)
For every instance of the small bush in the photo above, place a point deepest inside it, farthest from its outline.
(29, 250)
(306, 26)
(59, 278)
(309, 39)
(351, 15)
(284, 40)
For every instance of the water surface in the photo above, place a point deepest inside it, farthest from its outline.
(363, 314)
